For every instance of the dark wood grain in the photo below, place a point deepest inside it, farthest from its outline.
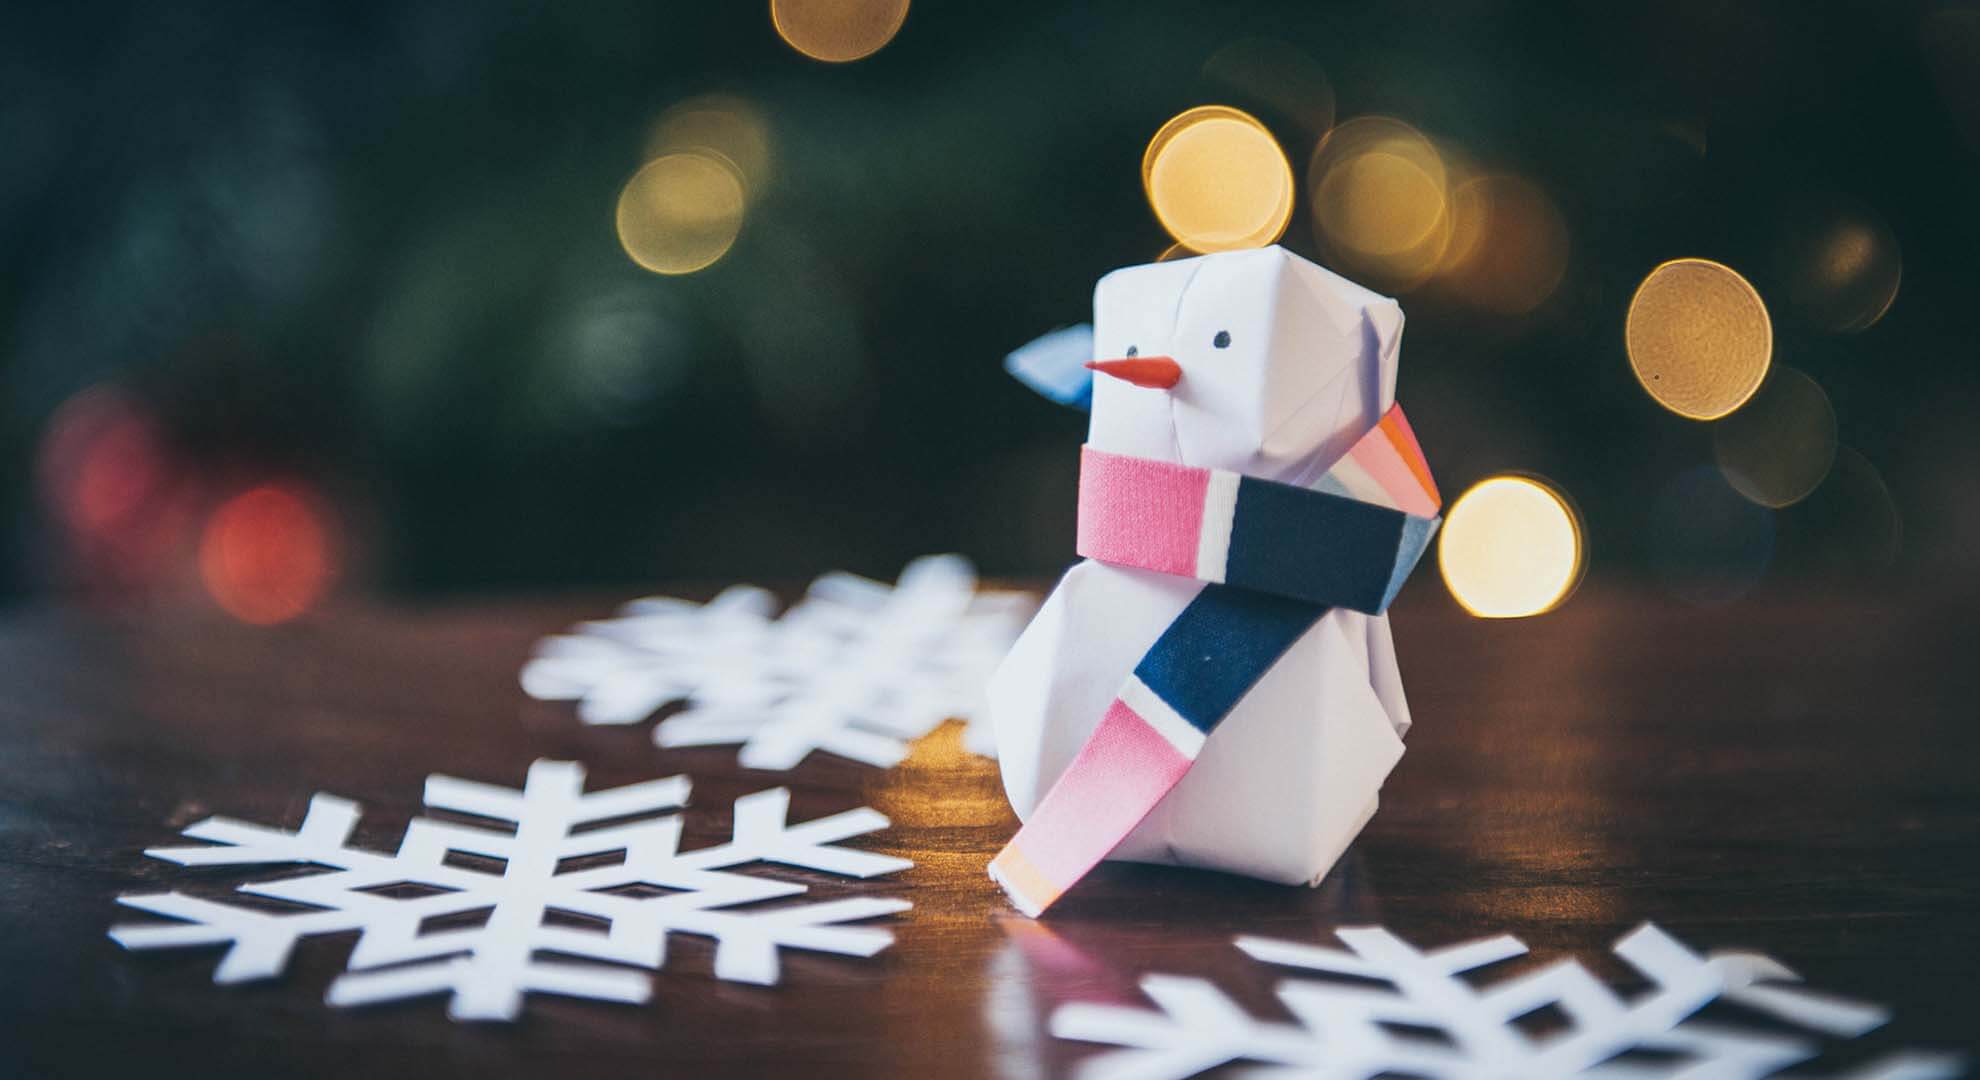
(1794, 776)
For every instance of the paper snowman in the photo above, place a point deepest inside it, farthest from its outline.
(1263, 364)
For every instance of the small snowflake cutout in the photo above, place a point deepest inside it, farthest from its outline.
(1375, 1025)
(488, 969)
(857, 668)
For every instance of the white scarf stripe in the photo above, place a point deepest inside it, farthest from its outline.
(1213, 541)
(1160, 715)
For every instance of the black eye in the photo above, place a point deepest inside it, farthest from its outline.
(1132, 351)
(1222, 340)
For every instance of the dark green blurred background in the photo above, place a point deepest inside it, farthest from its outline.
(368, 252)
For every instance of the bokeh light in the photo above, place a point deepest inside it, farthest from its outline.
(611, 353)
(1509, 244)
(101, 462)
(722, 125)
(1511, 546)
(1279, 77)
(838, 31)
(1380, 191)
(1949, 36)
(1699, 338)
(1218, 180)
(122, 497)
(267, 555)
(681, 212)
(1708, 544)
(1839, 263)
(1854, 517)
(1777, 449)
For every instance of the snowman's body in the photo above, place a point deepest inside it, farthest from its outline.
(1307, 366)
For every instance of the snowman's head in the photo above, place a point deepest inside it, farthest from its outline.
(1255, 361)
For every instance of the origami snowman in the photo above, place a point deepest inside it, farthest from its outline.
(1242, 433)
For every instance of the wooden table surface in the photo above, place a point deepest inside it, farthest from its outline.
(1795, 776)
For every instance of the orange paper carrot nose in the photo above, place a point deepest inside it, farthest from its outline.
(1154, 372)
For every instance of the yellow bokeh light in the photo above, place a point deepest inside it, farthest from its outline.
(1699, 338)
(838, 31)
(1218, 180)
(1779, 447)
(1510, 547)
(1509, 244)
(1381, 194)
(680, 212)
(727, 127)
(1382, 203)
(1840, 264)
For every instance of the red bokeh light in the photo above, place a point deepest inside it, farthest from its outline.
(267, 555)
(101, 462)
(124, 501)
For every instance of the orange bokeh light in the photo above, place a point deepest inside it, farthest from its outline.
(266, 556)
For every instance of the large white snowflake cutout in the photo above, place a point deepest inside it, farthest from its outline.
(857, 668)
(655, 889)
(1450, 1027)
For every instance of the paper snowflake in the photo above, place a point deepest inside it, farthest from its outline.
(653, 889)
(857, 668)
(1422, 1019)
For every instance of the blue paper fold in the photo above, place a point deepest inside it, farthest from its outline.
(1055, 365)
